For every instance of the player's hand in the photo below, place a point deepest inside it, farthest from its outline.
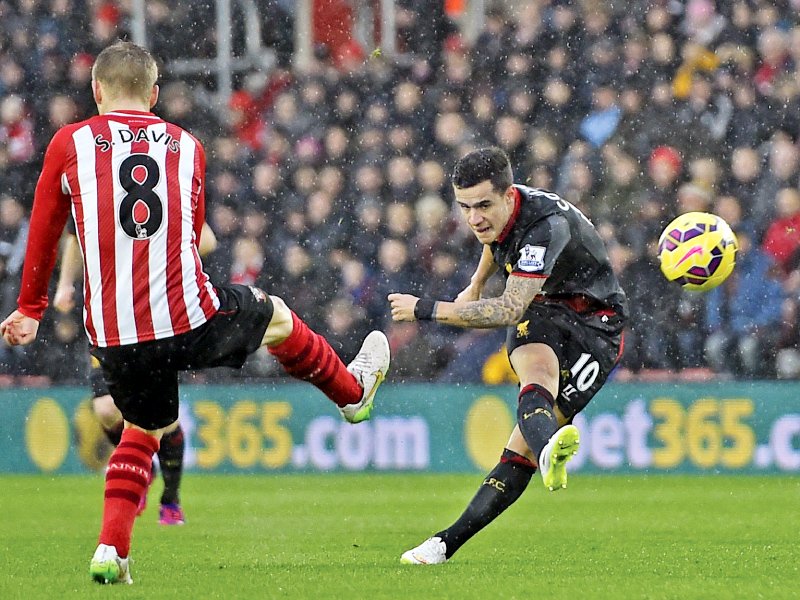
(470, 293)
(19, 330)
(403, 306)
(64, 300)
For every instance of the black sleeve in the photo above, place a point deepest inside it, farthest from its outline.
(541, 246)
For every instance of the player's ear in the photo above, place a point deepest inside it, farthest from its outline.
(154, 96)
(97, 91)
(509, 195)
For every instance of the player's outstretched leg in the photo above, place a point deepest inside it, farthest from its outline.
(107, 567)
(170, 458)
(555, 456)
(307, 355)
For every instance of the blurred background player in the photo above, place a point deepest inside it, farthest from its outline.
(173, 444)
(135, 184)
(564, 312)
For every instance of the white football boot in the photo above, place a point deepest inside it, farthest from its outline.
(108, 567)
(430, 552)
(369, 367)
(561, 447)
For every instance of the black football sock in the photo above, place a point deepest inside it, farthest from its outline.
(536, 417)
(114, 434)
(170, 457)
(500, 489)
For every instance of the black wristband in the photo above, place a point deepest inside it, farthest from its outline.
(425, 309)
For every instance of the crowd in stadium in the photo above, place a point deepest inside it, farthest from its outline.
(329, 187)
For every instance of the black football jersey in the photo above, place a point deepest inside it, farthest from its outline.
(548, 237)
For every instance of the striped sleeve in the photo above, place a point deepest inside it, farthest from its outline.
(50, 211)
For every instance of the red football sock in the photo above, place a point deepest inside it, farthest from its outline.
(126, 481)
(308, 356)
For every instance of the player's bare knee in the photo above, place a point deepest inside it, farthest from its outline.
(543, 376)
(280, 327)
(537, 364)
(106, 411)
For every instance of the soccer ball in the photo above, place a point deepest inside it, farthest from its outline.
(698, 250)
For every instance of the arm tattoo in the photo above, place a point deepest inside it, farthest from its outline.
(505, 310)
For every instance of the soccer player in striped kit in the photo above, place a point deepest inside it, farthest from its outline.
(135, 186)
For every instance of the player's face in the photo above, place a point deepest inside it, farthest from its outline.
(486, 210)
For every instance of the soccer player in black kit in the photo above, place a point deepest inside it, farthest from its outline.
(564, 310)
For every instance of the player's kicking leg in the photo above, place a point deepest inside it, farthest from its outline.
(307, 355)
(556, 454)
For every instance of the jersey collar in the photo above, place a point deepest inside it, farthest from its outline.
(131, 113)
(507, 229)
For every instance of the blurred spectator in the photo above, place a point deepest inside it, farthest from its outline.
(775, 60)
(702, 119)
(649, 339)
(782, 238)
(478, 347)
(781, 172)
(413, 356)
(16, 131)
(364, 245)
(730, 210)
(394, 272)
(743, 315)
(13, 237)
(692, 198)
(702, 24)
(600, 124)
(401, 179)
(749, 121)
(621, 189)
(346, 327)
(248, 261)
(664, 169)
(324, 232)
(77, 86)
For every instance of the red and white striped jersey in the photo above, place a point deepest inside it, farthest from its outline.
(135, 186)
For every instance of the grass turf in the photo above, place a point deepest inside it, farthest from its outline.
(340, 536)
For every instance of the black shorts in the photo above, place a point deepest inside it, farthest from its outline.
(96, 380)
(588, 347)
(143, 378)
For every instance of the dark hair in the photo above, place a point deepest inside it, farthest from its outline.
(481, 165)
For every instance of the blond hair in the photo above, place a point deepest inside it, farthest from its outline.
(126, 69)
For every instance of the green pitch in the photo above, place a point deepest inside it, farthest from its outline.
(341, 536)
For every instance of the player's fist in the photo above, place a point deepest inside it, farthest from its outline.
(403, 306)
(18, 330)
(470, 293)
